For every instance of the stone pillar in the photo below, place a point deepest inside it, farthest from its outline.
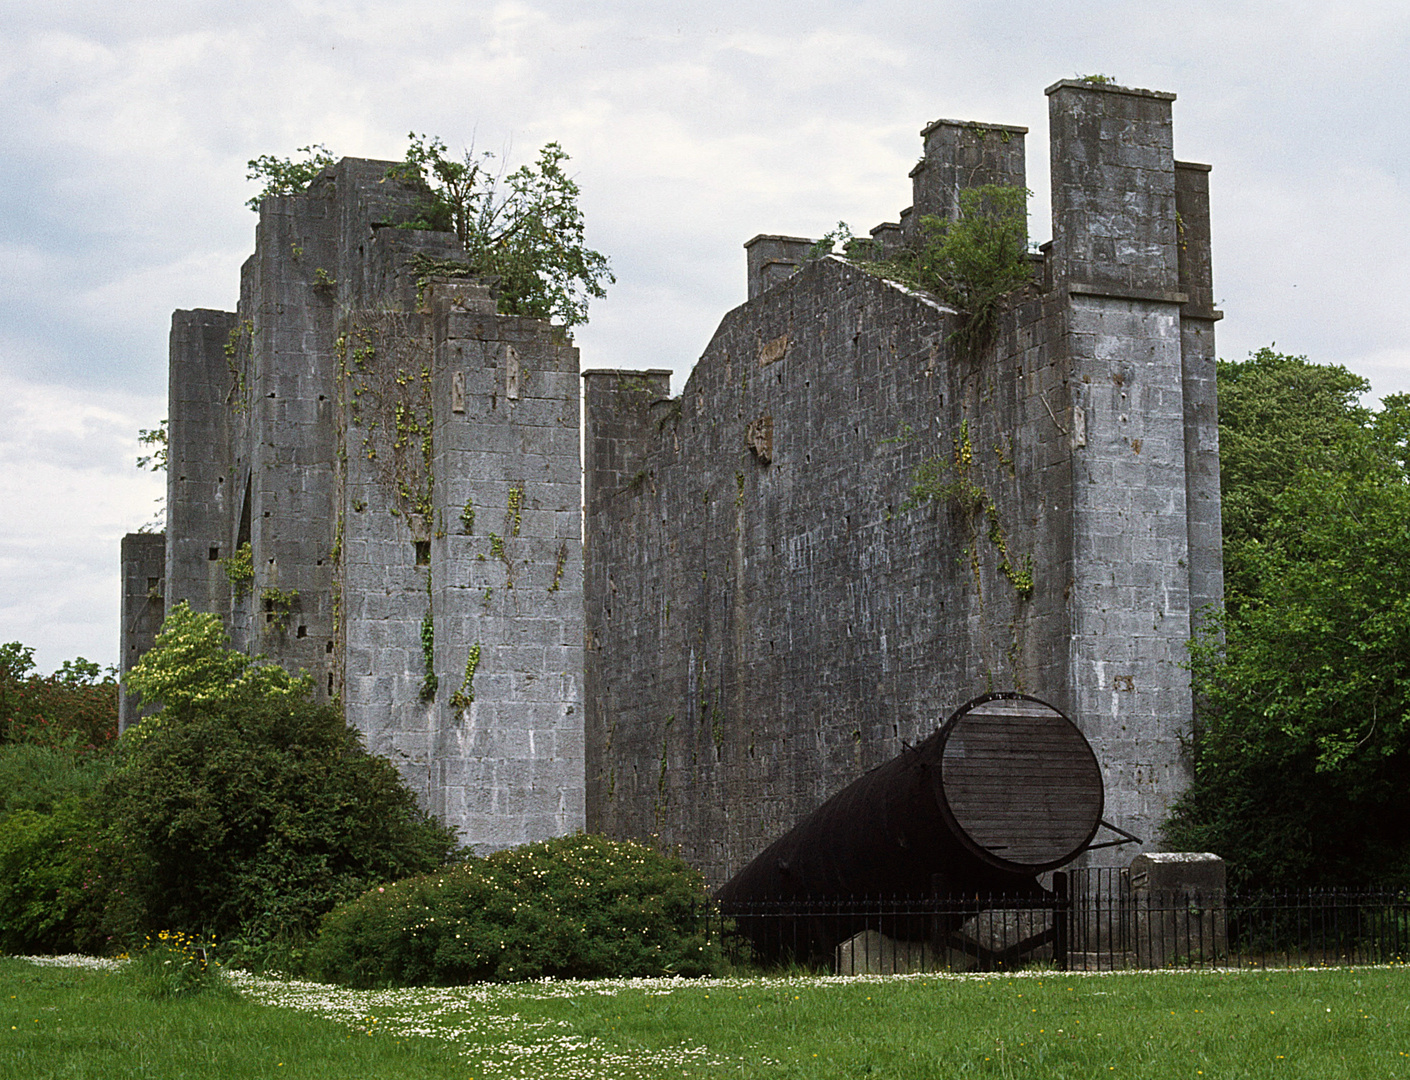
(773, 259)
(1179, 904)
(958, 155)
(1197, 318)
(143, 608)
(293, 444)
(1115, 260)
(506, 572)
(201, 404)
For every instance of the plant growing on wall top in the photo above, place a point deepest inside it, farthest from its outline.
(524, 228)
(285, 176)
(972, 263)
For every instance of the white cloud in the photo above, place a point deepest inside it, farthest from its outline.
(126, 130)
(70, 492)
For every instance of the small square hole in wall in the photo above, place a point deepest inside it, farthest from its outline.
(423, 552)
(214, 554)
(303, 632)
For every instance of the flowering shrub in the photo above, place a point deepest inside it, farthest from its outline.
(74, 708)
(576, 907)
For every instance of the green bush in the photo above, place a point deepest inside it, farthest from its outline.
(243, 807)
(40, 778)
(46, 829)
(256, 817)
(577, 907)
(41, 878)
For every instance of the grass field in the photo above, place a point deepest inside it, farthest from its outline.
(1324, 1024)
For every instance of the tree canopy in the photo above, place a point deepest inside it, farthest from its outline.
(1303, 681)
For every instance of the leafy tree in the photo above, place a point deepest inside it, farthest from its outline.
(285, 176)
(1278, 414)
(525, 229)
(1303, 681)
(156, 438)
(189, 666)
(242, 806)
(76, 706)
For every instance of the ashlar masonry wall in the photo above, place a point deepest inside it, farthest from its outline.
(343, 423)
(770, 612)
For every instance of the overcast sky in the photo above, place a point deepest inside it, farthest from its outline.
(126, 129)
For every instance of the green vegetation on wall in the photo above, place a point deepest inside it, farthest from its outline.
(951, 481)
(525, 229)
(972, 263)
(385, 373)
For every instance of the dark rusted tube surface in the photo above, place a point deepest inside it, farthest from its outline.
(1007, 788)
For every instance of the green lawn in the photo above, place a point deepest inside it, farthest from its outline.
(1325, 1024)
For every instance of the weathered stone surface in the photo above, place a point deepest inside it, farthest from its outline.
(762, 610)
(340, 422)
(763, 627)
(143, 608)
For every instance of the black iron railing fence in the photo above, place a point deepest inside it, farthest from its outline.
(1089, 920)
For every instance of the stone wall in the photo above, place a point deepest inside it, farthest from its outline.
(339, 422)
(763, 609)
(769, 611)
(143, 608)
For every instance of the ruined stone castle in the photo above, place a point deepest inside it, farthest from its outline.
(733, 606)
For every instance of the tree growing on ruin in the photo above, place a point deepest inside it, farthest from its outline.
(524, 228)
(972, 262)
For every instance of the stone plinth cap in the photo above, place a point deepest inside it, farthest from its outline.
(638, 372)
(972, 124)
(771, 236)
(1193, 165)
(1109, 88)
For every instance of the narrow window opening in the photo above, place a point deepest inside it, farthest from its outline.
(302, 632)
(328, 647)
(330, 684)
(152, 583)
(213, 554)
(423, 552)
